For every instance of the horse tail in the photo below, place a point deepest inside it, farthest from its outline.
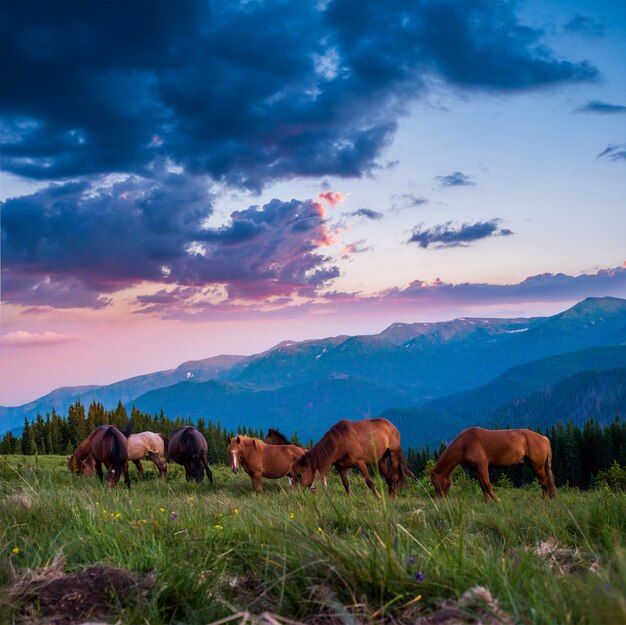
(128, 430)
(403, 469)
(119, 454)
(552, 491)
(190, 444)
(166, 444)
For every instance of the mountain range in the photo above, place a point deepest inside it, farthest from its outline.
(431, 379)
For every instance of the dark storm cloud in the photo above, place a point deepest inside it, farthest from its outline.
(597, 106)
(67, 244)
(588, 26)
(368, 213)
(244, 92)
(456, 179)
(614, 152)
(446, 235)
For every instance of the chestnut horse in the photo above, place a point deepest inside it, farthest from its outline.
(106, 445)
(259, 459)
(188, 447)
(151, 446)
(357, 444)
(479, 448)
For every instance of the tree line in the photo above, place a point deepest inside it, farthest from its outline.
(579, 454)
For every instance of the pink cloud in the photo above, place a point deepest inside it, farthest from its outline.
(22, 338)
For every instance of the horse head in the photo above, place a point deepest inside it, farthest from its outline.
(302, 472)
(235, 451)
(441, 483)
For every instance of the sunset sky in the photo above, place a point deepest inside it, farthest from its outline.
(185, 179)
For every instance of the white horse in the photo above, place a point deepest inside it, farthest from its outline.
(151, 446)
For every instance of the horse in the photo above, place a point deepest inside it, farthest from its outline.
(81, 462)
(259, 459)
(357, 444)
(188, 447)
(274, 437)
(479, 448)
(106, 445)
(151, 446)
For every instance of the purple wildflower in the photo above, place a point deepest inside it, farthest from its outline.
(174, 515)
(411, 560)
(419, 577)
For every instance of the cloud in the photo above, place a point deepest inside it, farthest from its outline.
(587, 26)
(22, 338)
(358, 247)
(245, 93)
(546, 287)
(67, 245)
(455, 179)
(408, 200)
(445, 235)
(368, 213)
(596, 106)
(614, 152)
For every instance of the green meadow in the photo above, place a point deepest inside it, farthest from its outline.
(211, 551)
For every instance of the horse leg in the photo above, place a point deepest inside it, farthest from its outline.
(539, 471)
(485, 483)
(362, 467)
(139, 467)
(126, 476)
(344, 479)
(256, 482)
(207, 468)
(160, 463)
(99, 470)
(384, 471)
(188, 475)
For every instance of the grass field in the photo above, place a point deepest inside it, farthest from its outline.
(210, 551)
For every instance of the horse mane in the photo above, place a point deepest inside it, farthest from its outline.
(279, 435)
(321, 454)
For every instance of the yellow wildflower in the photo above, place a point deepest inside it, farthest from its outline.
(162, 509)
(217, 526)
(320, 530)
(292, 516)
(236, 510)
(16, 549)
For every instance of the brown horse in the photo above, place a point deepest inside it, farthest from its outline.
(188, 447)
(259, 459)
(106, 445)
(479, 449)
(357, 444)
(151, 446)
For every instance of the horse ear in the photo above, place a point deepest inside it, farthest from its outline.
(238, 440)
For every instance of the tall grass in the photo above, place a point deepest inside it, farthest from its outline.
(217, 549)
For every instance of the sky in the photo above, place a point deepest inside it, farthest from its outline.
(185, 179)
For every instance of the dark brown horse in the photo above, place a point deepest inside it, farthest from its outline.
(258, 459)
(274, 437)
(357, 444)
(479, 449)
(106, 445)
(188, 447)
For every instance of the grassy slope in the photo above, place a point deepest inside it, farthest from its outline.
(296, 554)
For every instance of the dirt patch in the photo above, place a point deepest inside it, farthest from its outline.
(54, 597)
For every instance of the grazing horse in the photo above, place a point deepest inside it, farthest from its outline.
(106, 445)
(259, 459)
(81, 462)
(479, 448)
(151, 446)
(357, 444)
(188, 447)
